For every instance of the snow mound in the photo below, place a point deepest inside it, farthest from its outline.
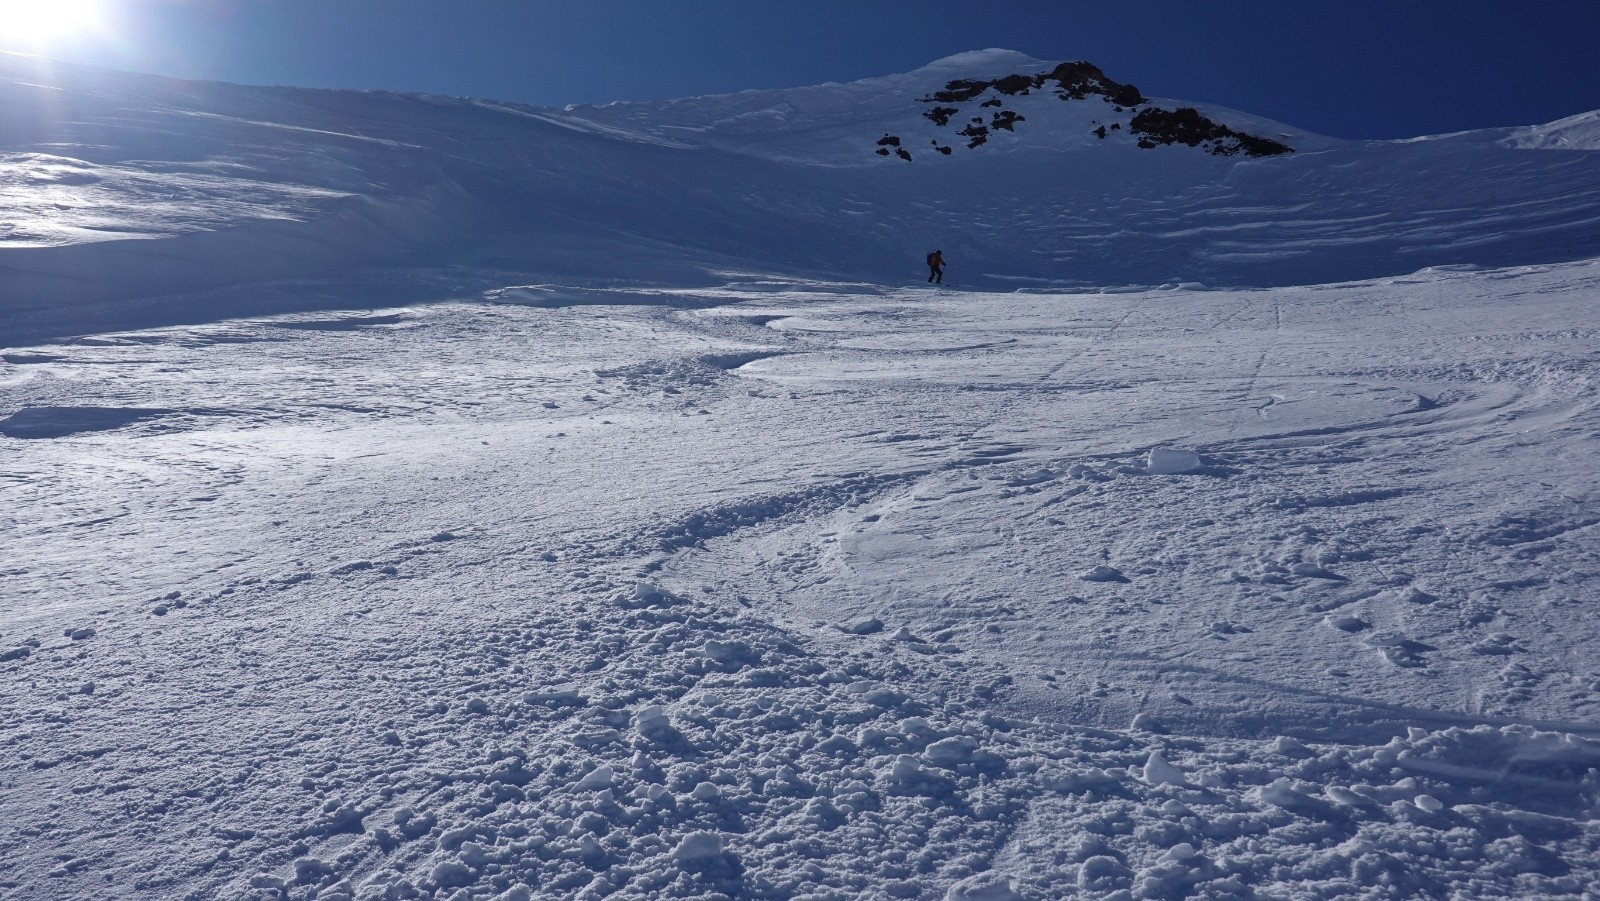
(1580, 132)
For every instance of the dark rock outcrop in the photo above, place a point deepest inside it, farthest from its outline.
(1072, 81)
(1186, 126)
(1080, 80)
(1006, 119)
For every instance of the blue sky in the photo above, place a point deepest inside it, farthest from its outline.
(1352, 69)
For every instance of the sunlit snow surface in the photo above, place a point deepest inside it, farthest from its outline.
(417, 497)
(386, 599)
(115, 188)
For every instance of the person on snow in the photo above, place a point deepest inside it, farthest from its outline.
(936, 267)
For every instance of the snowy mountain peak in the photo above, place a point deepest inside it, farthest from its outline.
(1149, 127)
(942, 110)
(992, 62)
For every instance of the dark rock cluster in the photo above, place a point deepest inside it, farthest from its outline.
(1006, 119)
(888, 141)
(1186, 126)
(1072, 81)
(977, 131)
(1079, 81)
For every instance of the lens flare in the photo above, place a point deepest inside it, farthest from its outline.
(38, 23)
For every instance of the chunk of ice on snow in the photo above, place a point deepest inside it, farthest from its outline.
(600, 777)
(1428, 803)
(983, 887)
(1341, 795)
(556, 697)
(697, 846)
(1281, 793)
(906, 769)
(1180, 852)
(1157, 771)
(1166, 461)
(652, 723)
(1102, 573)
(729, 653)
(952, 752)
(863, 627)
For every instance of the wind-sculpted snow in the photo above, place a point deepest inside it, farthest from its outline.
(122, 192)
(805, 590)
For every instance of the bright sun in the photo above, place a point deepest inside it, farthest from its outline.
(41, 22)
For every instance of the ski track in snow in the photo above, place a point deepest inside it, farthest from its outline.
(790, 592)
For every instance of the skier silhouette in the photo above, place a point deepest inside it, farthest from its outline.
(936, 267)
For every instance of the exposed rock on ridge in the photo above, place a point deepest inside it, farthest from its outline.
(1080, 80)
(1186, 126)
(1073, 80)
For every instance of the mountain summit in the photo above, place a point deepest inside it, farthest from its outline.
(964, 101)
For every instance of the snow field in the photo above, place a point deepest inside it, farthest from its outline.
(419, 497)
(799, 594)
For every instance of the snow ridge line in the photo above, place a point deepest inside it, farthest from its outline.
(697, 528)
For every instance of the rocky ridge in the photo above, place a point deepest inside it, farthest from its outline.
(1070, 81)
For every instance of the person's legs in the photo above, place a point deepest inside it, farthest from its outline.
(933, 273)
(938, 275)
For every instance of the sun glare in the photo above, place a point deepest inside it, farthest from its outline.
(38, 23)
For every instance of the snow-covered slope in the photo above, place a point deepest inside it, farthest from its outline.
(812, 591)
(120, 186)
(427, 498)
